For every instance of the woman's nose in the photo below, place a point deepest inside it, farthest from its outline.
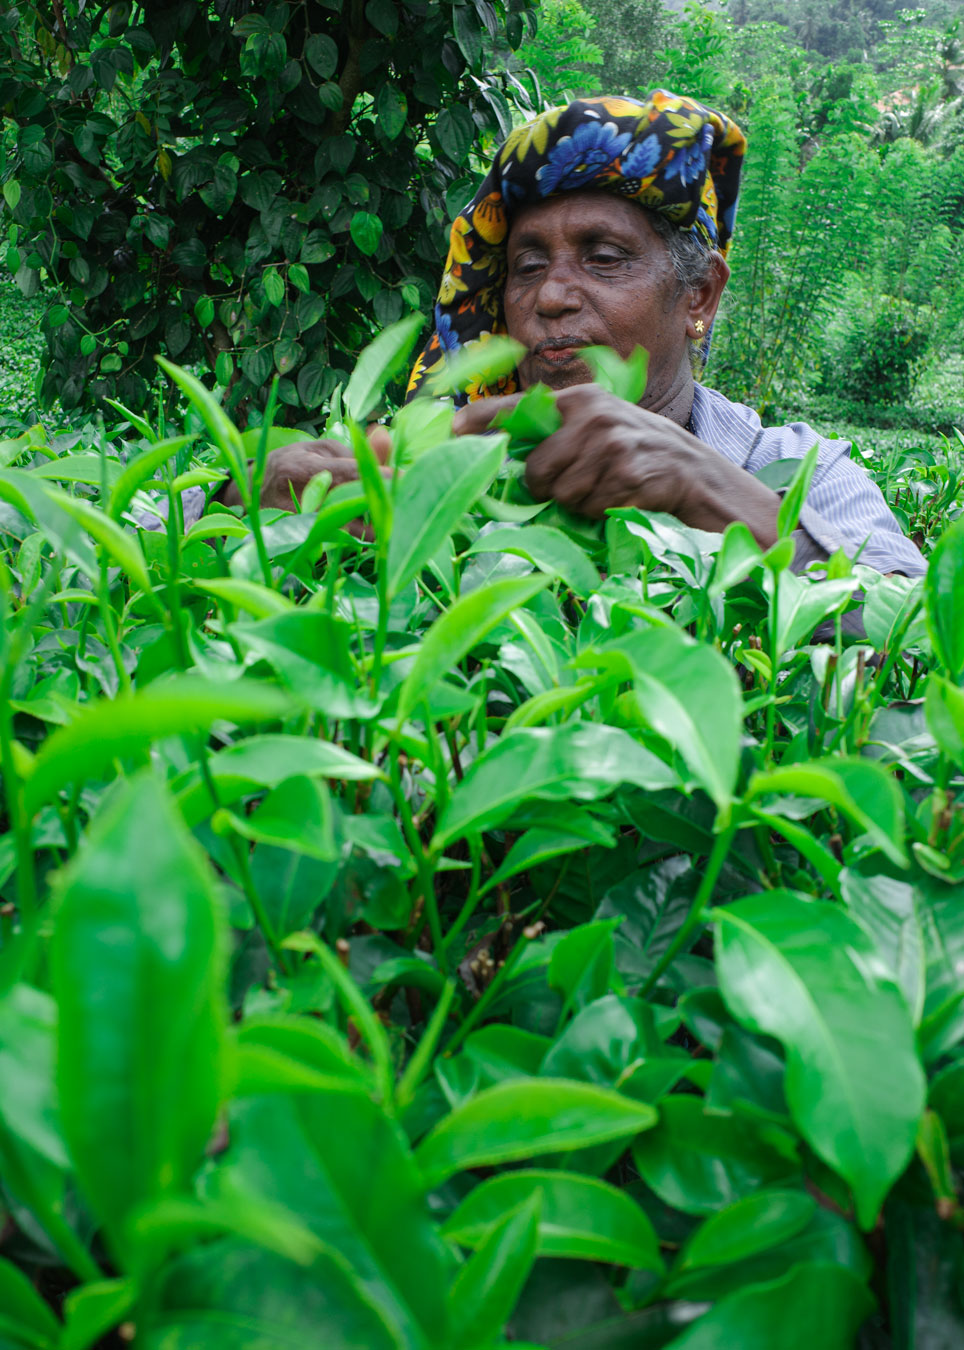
(558, 293)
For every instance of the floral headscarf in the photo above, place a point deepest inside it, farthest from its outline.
(669, 153)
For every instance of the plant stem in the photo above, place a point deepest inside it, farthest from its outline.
(239, 848)
(473, 897)
(423, 863)
(494, 988)
(418, 1065)
(721, 847)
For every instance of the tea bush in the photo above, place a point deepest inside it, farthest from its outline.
(429, 920)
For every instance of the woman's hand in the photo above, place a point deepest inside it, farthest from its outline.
(610, 453)
(289, 469)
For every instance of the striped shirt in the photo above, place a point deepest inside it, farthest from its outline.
(844, 508)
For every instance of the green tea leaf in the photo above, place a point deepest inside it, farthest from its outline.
(364, 1202)
(804, 972)
(140, 469)
(698, 1162)
(127, 725)
(231, 1294)
(92, 1310)
(578, 761)
(264, 761)
(454, 633)
(751, 1225)
(22, 1306)
(28, 1106)
(687, 692)
(485, 1290)
(624, 378)
(523, 1117)
(137, 959)
(796, 494)
(944, 597)
(224, 433)
(433, 496)
(296, 815)
(944, 708)
(533, 418)
(861, 788)
(476, 363)
(549, 549)
(801, 603)
(581, 1218)
(122, 547)
(380, 362)
(811, 1305)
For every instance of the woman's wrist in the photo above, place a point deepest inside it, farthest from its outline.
(720, 493)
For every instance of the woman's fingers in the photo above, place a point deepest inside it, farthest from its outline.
(380, 440)
(477, 417)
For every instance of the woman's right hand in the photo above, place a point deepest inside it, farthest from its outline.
(289, 469)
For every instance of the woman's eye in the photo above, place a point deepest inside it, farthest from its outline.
(605, 258)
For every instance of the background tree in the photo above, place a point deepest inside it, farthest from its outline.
(248, 185)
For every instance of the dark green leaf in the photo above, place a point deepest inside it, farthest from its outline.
(698, 1162)
(366, 231)
(811, 1305)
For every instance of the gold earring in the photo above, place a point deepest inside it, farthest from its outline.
(699, 326)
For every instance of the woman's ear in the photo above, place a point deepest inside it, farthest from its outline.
(705, 299)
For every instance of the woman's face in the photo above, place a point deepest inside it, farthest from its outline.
(585, 269)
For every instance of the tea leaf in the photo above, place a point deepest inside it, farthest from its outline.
(485, 1290)
(624, 378)
(380, 362)
(433, 496)
(453, 635)
(137, 969)
(824, 1304)
(944, 595)
(549, 549)
(578, 761)
(127, 725)
(477, 363)
(804, 972)
(581, 1218)
(521, 1118)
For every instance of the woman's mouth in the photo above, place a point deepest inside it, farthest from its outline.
(558, 351)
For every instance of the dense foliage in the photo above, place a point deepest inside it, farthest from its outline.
(248, 188)
(243, 185)
(475, 923)
(848, 257)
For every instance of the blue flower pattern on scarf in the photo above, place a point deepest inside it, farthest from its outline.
(642, 158)
(448, 338)
(576, 160)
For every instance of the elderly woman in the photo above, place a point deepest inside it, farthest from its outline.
(608, 222)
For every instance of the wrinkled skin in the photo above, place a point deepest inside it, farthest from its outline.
(587, 268)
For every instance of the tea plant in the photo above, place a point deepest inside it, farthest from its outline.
(429, 919)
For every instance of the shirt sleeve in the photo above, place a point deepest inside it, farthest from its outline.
(844, 507)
